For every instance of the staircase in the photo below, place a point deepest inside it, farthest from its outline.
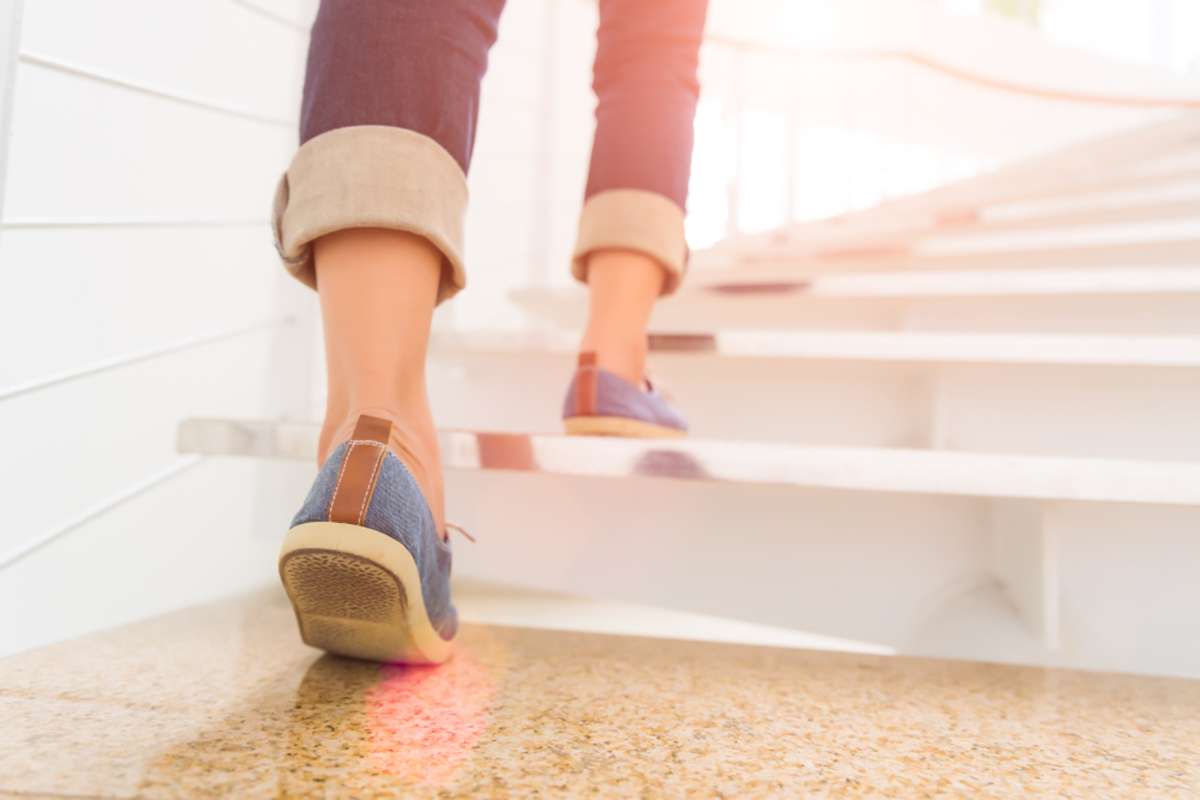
(963, 424)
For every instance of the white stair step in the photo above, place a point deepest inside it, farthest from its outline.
(982, 283)
(1135, 301)
(1177, 250)
(1127, 233)
(1012, 393)
(1144, 215)
(938, 348)
(871, 469)
(1177, 201)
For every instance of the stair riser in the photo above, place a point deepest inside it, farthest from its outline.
(1118, 412)
(773, 555)
(1171, 202)
(892, 569)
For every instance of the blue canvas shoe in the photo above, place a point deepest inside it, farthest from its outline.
(601, 403)
(364, 565)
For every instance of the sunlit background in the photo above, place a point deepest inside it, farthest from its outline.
(812, 108)
(793, 170)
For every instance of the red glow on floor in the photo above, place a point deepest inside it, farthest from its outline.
(423, 722)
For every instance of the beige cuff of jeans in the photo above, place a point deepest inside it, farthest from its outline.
(633, 219)
(371, 176)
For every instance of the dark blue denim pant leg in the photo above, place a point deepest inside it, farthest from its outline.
(412, 64)
(387, 126)
(390, 110)
(646, 89)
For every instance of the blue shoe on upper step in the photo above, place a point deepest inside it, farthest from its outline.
(601, 403)
(364, 565)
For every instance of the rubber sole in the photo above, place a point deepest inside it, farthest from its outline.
(619, 426)
(357, 593)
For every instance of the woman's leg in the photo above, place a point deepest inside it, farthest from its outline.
(370, 212)
(378, 289)
(631, 248)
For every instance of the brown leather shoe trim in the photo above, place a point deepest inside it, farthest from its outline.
(375, 429)
(585, 385)
(360, 470)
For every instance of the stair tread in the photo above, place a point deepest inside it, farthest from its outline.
(947, 283)
(1173, 250)
(720, 461)
(958, 347)
(128, 712)
(1038, 233)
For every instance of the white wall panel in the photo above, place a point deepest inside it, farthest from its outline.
(189, 541)
(73, 297)
(85, 149)
(71, 446)
(126, 111)
(211, 49)
(296, 13)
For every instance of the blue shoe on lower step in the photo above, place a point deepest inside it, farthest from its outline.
(364, 565)
(601, 403)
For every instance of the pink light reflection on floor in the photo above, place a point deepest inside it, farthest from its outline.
(424, 721)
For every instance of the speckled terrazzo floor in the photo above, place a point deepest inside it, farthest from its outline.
(224, 701)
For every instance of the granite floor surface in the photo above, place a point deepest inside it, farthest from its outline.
(224, 701)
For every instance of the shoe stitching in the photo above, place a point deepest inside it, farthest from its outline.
(338, 485)
(362, 512)
(371, 442)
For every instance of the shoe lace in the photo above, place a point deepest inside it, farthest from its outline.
(657, 387)
(450, 526)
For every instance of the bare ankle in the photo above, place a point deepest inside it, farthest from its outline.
(622, 286)
(621, 354)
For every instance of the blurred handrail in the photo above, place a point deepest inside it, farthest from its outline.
(957, 73)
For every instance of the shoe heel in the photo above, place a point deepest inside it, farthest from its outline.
(349, 587)
(619, 426)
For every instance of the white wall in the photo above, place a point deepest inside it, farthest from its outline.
(137, 287)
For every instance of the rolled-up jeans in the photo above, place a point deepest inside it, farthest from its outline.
(390, 110)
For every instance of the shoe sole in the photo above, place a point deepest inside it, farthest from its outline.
(619, 426)
(357, 593)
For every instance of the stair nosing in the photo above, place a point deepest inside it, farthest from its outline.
(928, 472)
